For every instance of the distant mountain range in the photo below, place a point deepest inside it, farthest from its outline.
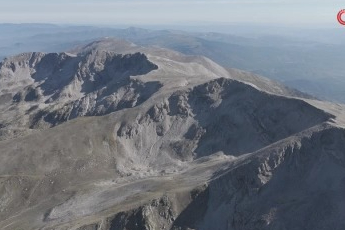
(309, 60)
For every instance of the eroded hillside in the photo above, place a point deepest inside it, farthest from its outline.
(154, 139)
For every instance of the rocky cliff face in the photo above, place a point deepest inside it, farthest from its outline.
(158, 140)
(43, 90)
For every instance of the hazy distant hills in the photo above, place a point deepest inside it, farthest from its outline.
(307, 60)
(312, 67)
(113, 135)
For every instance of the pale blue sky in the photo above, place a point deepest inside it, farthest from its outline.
(141, 12)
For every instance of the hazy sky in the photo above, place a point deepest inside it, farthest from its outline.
(140, 12)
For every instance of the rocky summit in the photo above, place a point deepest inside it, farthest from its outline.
(115, 136)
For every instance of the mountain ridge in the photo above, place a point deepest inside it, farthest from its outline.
(204, 150)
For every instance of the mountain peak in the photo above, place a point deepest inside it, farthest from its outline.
(148, 138)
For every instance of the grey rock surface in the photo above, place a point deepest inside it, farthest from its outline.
(151, 139)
